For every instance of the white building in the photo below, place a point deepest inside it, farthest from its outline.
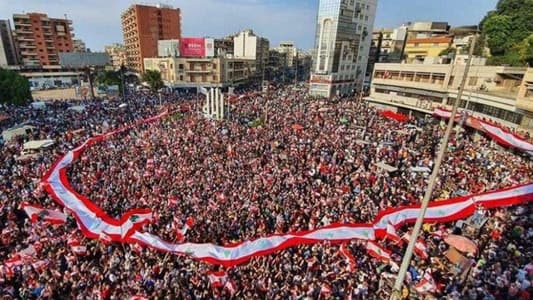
(342, 45)
(247, 45)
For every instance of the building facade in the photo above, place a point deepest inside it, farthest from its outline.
(143, 26)
(501, 94)
(224, 46)
(117, 55)
(8, 52)
(342, 45)
(39, 39)
(418, 49)
(205, 72)
(290, 51)
(79, 46)
(247, 45)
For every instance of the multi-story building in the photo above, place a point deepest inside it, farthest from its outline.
(291, 53)
(189, 72)
(40, 39)
(143, 26)
(247, 45)
(419, 49)
(117, 55)
(224, 46)
(8, 53)
(524, 101)
(420, 30)
(501, 94)
(342, 46)
(79, 46)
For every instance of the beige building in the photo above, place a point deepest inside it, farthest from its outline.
(524, 101)
(117, 55)
(206, 72)
(503, 94)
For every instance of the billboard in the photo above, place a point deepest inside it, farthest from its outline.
(209, 45)
(83, 59)
(192, 47)
(168, 48)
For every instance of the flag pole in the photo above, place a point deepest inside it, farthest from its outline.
(398, 284)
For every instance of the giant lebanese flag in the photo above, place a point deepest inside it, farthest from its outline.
(94, 222)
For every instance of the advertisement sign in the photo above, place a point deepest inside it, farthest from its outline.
(209, 47)
(192, 47)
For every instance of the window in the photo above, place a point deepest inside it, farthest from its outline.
(472, 81)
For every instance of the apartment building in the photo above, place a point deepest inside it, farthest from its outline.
(8, 52)
(501, 94)
(342, 46)
(143, 26)
(202, 71)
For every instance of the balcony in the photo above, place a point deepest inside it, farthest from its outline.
(199, 71)
(28, 53)
(23, 31)
(27, 46)
(25, 38)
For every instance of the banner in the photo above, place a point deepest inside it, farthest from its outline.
(496, 132)
(192, 47)
(94, 222)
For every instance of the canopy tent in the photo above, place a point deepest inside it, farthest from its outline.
(395, 116)
(461, 243)
(10, 133)
(77, 108)
(38, 144)
(420, 169)
(386, 167)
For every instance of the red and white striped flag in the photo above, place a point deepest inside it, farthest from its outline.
(189, 223)
(350, 259)
(376, 251)
(325, 289)
(172, 200)
(217, 278)
(104, 238)
(420, 246)
(37, 213)
(39, 265)
(426, 284)
(135, 221)
(79, 250)
(231, 287)
(392, 235)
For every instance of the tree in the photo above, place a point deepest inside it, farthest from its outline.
(153, 78)
(448, 51)
(14, 88)
(525, 50)
(507, 32)
(498, 30)
(110, 78)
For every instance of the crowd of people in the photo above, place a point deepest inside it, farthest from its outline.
(279, 163)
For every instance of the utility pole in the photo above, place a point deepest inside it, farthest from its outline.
(398, 284)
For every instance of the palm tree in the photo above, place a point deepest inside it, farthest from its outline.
(153, 79)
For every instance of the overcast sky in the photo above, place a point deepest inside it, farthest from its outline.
(97, 22)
